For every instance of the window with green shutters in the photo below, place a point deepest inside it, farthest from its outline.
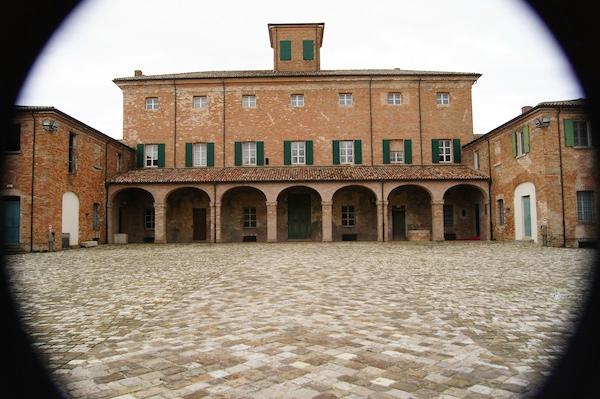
(445, 151)
(139, 156)
(347, 152)
(397, 151)
(150, 155)
(297, 153)
(199, 154)
(520, 142)
(456, 150)
(577, 133)
(285, 50)
(308, 50)
(251, 153)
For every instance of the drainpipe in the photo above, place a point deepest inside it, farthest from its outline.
(383, 212)
(32, 185)
(174, 124)
(105, 192)
(420, 124)
(490, 190)
(371, 119)
(223, 133)
(562, 187)
(215, 205)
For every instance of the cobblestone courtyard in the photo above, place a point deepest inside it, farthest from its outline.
(301, 320)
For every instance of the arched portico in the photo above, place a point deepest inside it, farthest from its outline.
(354, 214)
(466, 213)
(409, 213)
(243, 214)
(299, 214)
(188, 215)
(132, 212)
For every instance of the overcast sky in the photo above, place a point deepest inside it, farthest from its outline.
(105, 39)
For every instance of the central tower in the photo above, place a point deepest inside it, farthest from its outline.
(296, 47)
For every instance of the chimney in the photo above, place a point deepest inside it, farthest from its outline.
(526, 108)
(137, 72)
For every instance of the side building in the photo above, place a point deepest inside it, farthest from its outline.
(543, 177)
(54, 180)
(298, 153)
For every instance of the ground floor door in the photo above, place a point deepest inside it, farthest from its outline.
(12, 220)
(399, 223)
(299, 216)
(526, 215)
(477, 222)
(199, 224)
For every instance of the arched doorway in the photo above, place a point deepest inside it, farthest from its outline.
(465, 213)
(243, 215)
(133, 214)
(188, 215)
(525, 212)
(409, 213)
(299, 214)
(70, 217)
(354, 214)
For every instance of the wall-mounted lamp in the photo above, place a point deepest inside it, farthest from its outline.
(50, 125)
(542, 122)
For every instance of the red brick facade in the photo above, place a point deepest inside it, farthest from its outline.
(36, 174)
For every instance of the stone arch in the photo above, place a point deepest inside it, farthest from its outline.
(187, 215)
(243, 214)
(525, 212)
(466, 213)
(132, 214)
(70, 217)
(409, 213)
(299, 213)
(234, 187)
(354, 213)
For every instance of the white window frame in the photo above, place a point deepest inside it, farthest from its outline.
(442, 98)
(249, 101)
(520, 143)
(445, 151)
(298, 152)
(348, 216)
(346, 152)
(345, 99)
(396, 156)
(297, 100)
(586, 206)
(249, 218)
(199, 102)
(152, 104)
(576, 134)
(394, 98)
(199, 154)
(476, 160)
(149, 218)
(151, 156)
(249, 153)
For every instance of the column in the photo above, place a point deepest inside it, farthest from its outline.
(437, 220)
(109, 224)
(326, 220)
(212, 224)
(381, 225)
(218, 222)
(159, 223)
(272, 221)
(487, 219)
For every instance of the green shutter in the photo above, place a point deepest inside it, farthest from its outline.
(161, 155)
(308, 52)
(357, 152)
(336, 152)
(238, 153)
(408, 151)
(309, 152)
(285, 50)
(456, 150)
(210, 154)
(435, 151)
(569, 137)
(386, 151)
(514, 144)
(260, 153)
(189, 155)
(139, 156)
(287, 152)
(526, 139)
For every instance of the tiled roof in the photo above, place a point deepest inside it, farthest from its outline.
(298, 173)
(271, 74)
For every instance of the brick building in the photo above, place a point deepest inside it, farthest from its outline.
(543, 177)
(297, 152)
(54, 174)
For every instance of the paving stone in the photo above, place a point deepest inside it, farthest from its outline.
(461, 319)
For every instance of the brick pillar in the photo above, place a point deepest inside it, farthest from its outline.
(485, 222)
(381, 205)
(272, 221)
(437, 220)
(109, 227)
(218, 222)
(160, 225)
(326, 222)
(211, 224)
(386, 221)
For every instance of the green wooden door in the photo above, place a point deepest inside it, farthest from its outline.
(399, 223)
(526, 216)
(12, 220)
(298, 216)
